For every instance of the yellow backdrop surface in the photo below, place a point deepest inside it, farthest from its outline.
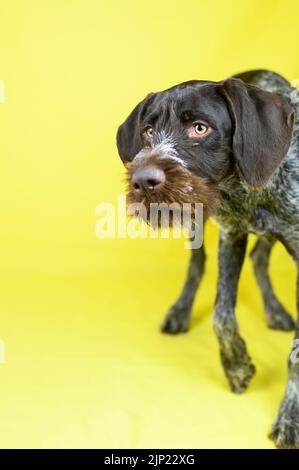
(85, 364)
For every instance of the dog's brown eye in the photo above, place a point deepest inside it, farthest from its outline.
(148, 132)
(200, 128)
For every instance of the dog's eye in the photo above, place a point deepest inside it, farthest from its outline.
(148, 132)
(198, 129)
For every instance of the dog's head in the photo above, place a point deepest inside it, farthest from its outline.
(177, 145)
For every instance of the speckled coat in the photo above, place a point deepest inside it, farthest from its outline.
(273, 212)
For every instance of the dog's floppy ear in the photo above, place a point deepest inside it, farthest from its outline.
(128, 135)
(263, 124)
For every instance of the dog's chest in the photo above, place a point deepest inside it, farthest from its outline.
(248, 212)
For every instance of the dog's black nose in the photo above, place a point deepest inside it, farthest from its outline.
(148, 179)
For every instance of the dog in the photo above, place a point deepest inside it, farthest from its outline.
(232, 145)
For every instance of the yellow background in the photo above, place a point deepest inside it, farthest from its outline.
(86, 365)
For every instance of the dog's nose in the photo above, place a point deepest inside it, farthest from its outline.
(148, 179)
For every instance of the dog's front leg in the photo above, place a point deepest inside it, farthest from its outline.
(285, 430)
(235, 360)
(178, 318)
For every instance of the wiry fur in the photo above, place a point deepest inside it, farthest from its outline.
(181, 186)
(250, 165)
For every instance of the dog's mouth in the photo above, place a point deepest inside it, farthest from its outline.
(162, 181)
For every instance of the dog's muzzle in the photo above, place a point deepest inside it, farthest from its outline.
(161, 179)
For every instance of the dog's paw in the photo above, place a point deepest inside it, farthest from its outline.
(239, 375)
(237, 365)
(279, 319)
(236, 362)
(285, 430)
(176, 321)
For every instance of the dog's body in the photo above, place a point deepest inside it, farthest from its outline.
(239, 146)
